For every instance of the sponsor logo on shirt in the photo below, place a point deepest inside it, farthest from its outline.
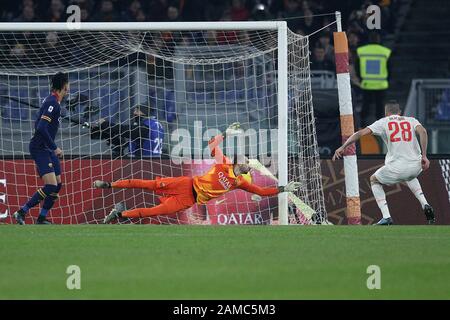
(226, 184)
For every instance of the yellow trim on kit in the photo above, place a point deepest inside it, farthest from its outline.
(43, 195)
(46, 118)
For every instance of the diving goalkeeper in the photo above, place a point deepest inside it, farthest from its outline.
(180, 193)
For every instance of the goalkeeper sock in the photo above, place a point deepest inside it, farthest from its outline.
(49, 201)
(168, 207)
(135, 183)
(416, 189)
(380, 197)
(40, 195)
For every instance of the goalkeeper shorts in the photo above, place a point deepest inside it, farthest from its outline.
(180, 187)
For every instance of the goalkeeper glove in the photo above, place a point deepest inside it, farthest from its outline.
(233, 129)
(290, 187)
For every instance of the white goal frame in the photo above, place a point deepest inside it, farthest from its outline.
(282, 81)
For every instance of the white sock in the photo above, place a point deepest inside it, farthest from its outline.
(416, 189)
(380, 197)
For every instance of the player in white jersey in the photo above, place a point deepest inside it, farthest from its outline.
(404, 159)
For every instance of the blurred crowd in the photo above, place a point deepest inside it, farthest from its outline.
(197, 10)
(303, 16)
(354, 23)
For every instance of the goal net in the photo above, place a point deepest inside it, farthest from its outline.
(186, 86)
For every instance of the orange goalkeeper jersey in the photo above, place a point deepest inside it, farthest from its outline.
(221, 178)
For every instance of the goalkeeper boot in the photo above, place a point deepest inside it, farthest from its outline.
(429, 213)
(19, 215)
(101, 184)
(115, 213)
(385, 222)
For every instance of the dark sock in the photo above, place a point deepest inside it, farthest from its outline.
(50, 201)
(43, 213)
(40, 194)
(34, 200)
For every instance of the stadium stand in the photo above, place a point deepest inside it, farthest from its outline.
(406, 41)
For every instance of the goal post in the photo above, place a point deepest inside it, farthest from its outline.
(282, 120)
(210, 72)
(353, 212)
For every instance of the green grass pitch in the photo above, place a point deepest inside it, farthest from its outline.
(233, 262)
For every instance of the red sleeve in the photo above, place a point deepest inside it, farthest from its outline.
(253, 188)
(216, 152)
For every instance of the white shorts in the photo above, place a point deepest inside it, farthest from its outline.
(389, 174)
